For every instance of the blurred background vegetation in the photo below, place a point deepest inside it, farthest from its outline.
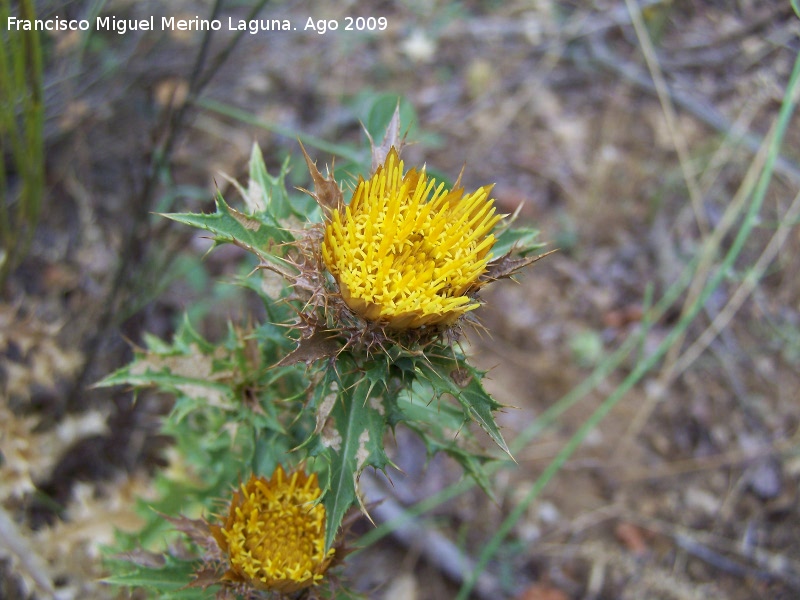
(22, 183)
(653, 362)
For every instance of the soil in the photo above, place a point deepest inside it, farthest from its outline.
(688, 488)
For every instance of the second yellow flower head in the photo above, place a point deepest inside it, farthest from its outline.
(408, 252)
(274, 534)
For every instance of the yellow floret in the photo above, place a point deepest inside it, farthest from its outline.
(274, 535)
(407, 251)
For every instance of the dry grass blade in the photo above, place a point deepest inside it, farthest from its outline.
(754, 275)
(708, 252)
(30, 565)
(681, 147)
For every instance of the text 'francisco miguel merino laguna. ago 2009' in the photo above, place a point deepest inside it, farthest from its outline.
(253, 26)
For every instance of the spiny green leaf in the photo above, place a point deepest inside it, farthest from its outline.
(456, 377)
(231, 377)
(170, 581)
(231, 226)
(196, 388)
(440, 427)
(272, 290)
(185, 340)
(522, 240)
(185, 371)
(274, 199)
(382, 111)
(350, 436)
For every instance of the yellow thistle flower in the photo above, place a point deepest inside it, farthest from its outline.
(408, 252)
(274, 536)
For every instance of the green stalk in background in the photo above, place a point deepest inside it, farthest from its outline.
(21, 138)
(649, 362)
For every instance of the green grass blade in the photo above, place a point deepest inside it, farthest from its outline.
(648, 363)
(309, 140)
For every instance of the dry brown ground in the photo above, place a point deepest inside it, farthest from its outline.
(689, 489)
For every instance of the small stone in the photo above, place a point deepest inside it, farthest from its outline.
(765, 479)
